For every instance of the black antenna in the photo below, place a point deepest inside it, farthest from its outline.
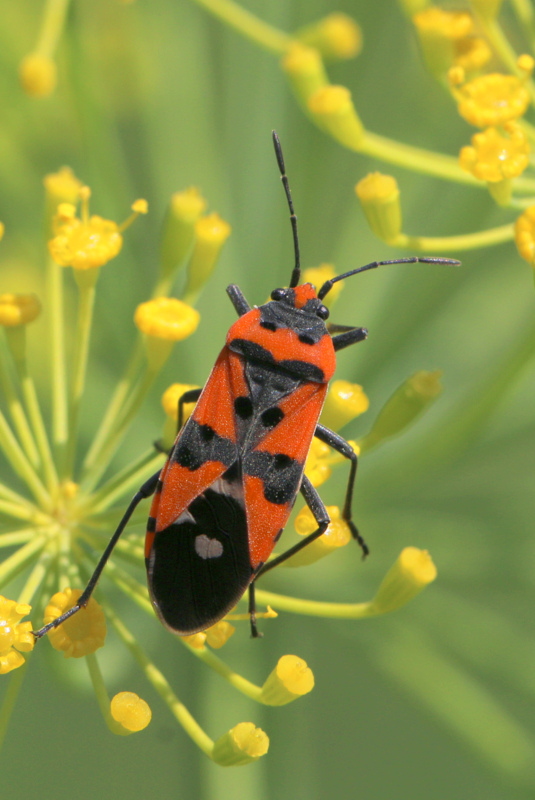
(296, 274)
(328, 285)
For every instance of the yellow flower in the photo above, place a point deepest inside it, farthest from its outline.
(211, 233)
(526, 63)
(525, 235)
(15, 636)
(336, 36)
(290, 679)
(170, 399)
(241, 745)
(166, 318)
(317, 468)
(38, 75)
(492, 100)
(412, 572)
(219, 634)
(131, 711)
(333, 109)
(496, 155)
(62, 186)
(18, 309)
(83, 243)
(344, 402)
(81, 634)
(337, 535)
(443, 36)
(472, 53)
(379, 197)
(304, 66)
(447, 24)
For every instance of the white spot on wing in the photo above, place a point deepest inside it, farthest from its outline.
(208, 548)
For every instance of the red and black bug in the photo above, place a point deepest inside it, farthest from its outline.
(231, 479)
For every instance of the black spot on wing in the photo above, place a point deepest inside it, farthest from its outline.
(200, 443)
(199, 566)
(280, 474)
(272, 416)
(243, 407)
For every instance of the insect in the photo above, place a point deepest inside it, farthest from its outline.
(224, 495)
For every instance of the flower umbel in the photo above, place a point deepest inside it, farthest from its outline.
(15, 636)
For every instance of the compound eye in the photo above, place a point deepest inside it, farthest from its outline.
(323, 312)
(278, 294)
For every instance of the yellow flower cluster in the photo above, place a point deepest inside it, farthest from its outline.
(15, 636)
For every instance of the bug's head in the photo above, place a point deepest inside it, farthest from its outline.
(303, 297)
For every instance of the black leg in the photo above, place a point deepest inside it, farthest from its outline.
(238, 300)
(339, 444)
(145, 491)
(255, 633)
(351, 336)
(190, 396)
(315, 503)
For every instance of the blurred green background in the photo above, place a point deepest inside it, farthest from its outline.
(435, 701)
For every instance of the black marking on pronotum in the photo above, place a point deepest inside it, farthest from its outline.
(199, 444)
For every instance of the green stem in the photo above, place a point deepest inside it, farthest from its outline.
(526, 17)
(20, 463)
(414, 158)
(315, 608)
(99, 687)
(17, 342)
(237, 681)
(52, 27)
(129, 411)
(122, 391)
(10, 699)
(86, 281)
(18, 416)
(493, 32)
(128, 479)
(248, 24)
(159, 682)
(468, 241)
(20, 559)
(57, 356)
(17, 537)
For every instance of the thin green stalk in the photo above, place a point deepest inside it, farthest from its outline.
(122, 424)
(52, 26)
(86, 281)
(25, 512)
(159, 682)
(99, 687)
(17, 537)
(18, 416)
(122, 391)
(18, 351)
(468, 241)
(128, 479)
(57, 356)
(10, 699)
(35, 578)
(20, 559)
(526, 16)
(20, 463)
(316, 608)
(248, 24)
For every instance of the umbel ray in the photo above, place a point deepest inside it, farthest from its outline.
(228, 486)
